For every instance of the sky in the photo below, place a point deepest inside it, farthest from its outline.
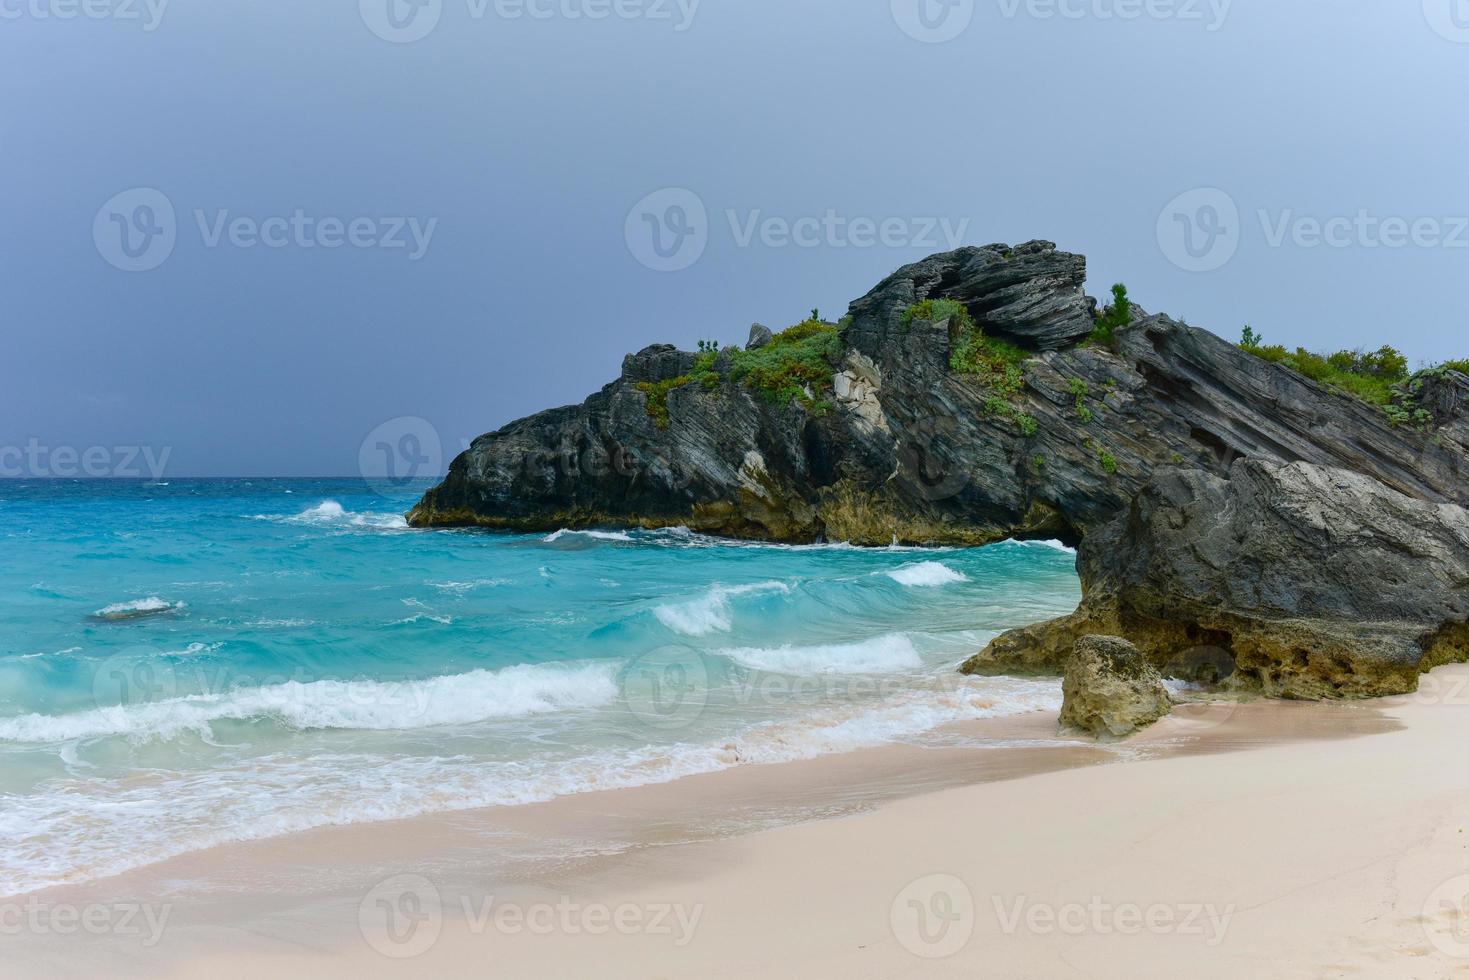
(274, 237)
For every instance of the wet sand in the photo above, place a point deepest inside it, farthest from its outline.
(1295, 818)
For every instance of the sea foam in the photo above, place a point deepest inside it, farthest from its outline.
(593, 535)
(926, 574)
(515, 692)
(894, 652)
(710, 612)
(93, 828)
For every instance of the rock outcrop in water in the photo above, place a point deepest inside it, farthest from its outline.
(1318, 582)
(1160, 450)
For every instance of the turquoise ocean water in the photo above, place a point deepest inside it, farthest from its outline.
(190, 663)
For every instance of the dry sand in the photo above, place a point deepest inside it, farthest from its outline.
(1268, 840)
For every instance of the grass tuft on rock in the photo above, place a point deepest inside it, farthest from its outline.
(657, 392)
(1379, 377)
(797, 365)
(996, 364)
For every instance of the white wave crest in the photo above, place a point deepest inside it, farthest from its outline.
(1052, 544)
(880, 654)
(329, 513)
(594, 535)
(710, 612)
(926, 574)
(462, 699)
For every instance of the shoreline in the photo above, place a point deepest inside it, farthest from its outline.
(295, 904)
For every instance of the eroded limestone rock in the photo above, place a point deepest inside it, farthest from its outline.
(1110, 689)
(1310, 581)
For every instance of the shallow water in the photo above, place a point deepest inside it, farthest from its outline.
(187, 664)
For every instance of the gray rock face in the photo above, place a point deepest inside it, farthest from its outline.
(1320, 582)
(902, 446)
(1110, 690)
(760, 336)
(660, 362)
(1031, 294)
(1236, 519)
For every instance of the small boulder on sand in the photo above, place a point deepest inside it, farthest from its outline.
(1110, 690)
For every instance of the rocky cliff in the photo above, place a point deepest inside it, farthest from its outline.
(965, 400)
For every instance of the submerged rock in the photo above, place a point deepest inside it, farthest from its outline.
(1110, 690)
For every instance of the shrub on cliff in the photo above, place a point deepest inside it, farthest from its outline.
(797, 364)
(939, 310)
(657, 392)
(1369, 376)
(1119, 314)
(996, 364)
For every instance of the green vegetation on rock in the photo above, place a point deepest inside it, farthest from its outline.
(1368, 376)
(937, 311)
(797, 365)
(1379, 377)
(997, 365)
(657, 392)
(1119, 314)
(1081, 390)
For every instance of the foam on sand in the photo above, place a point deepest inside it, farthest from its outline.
(92, 828)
